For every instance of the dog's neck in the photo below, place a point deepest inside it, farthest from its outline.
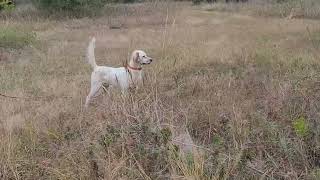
(134, 65)
(133, 68)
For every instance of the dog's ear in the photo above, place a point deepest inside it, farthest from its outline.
(136, 58)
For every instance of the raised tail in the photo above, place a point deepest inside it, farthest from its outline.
(90, 53)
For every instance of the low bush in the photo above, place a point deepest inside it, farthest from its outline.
(74, 8)
(6, 5)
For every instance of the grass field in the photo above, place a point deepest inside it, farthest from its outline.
(245, 86)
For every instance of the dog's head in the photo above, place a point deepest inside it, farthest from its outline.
(141, 57)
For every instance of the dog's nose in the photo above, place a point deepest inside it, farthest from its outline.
(150, 60)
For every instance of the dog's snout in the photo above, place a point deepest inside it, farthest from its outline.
(150, 60)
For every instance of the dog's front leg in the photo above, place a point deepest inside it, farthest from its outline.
(124, 88)
(140, 83)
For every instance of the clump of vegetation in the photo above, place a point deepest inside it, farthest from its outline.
(6, 5)
(14, 38)
(300, 126)
(74, 8)
(196, 2)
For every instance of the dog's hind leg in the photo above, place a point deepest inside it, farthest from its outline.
(95, 86)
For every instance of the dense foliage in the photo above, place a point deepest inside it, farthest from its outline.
(71, 7)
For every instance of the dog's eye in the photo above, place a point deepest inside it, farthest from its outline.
(144, 56)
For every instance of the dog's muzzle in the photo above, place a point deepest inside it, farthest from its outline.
(145, 63)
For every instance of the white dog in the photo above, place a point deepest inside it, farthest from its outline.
(122, 77)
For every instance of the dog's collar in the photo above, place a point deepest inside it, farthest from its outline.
(134, 68)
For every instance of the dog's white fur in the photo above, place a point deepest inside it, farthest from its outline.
(122, 77)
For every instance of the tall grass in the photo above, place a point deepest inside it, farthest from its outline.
(249, 101)
(15, 38)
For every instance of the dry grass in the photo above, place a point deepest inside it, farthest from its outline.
(246, 88)
(270, 8)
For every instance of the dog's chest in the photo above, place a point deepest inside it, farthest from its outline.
(134, 78)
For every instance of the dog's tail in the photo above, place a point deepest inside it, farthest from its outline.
(90, 53)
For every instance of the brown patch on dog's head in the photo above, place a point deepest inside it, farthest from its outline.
(136, 57)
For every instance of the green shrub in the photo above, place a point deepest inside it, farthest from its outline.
(196, 2)
(6, 5)
(75, 8)
(14, 38)
(301, 127)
